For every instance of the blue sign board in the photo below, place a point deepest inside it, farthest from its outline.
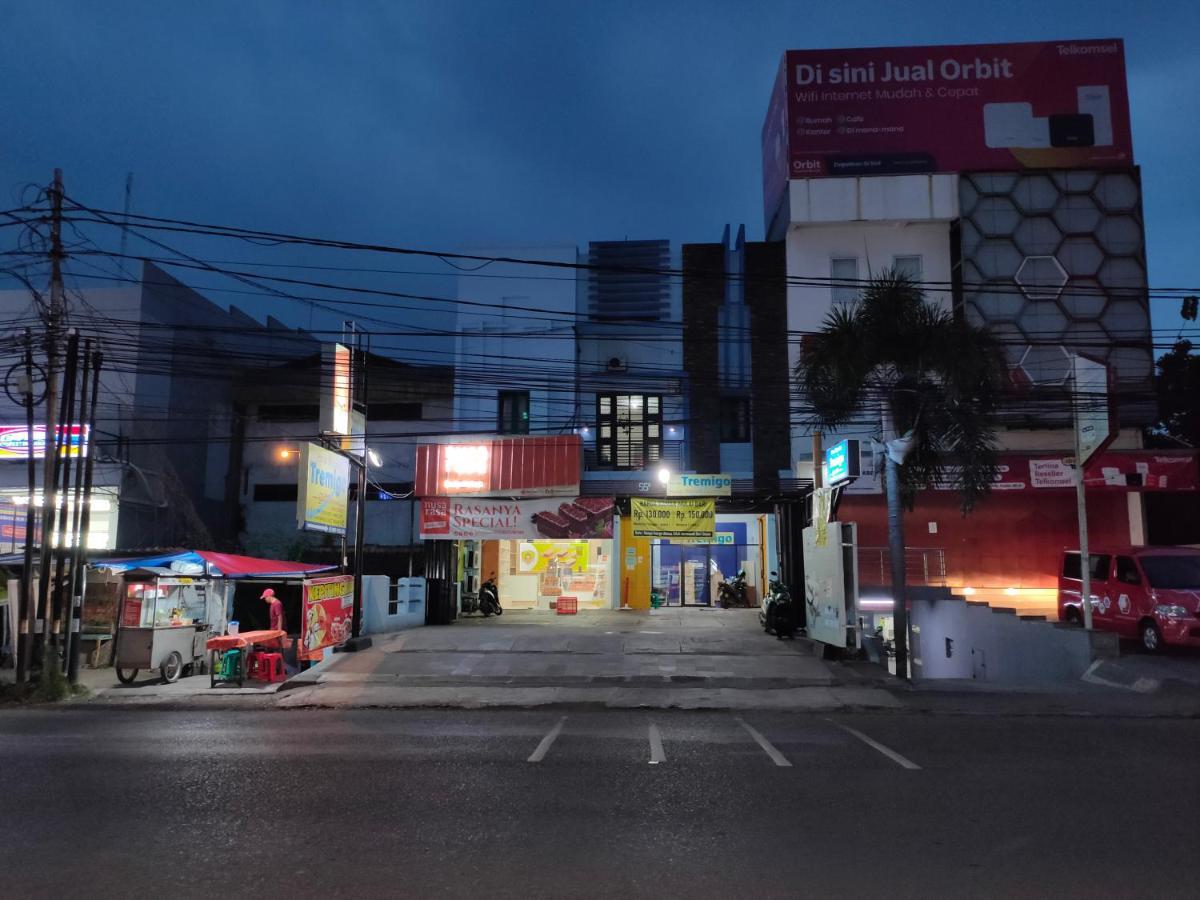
(841, 463)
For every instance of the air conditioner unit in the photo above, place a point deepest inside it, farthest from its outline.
(616, 364)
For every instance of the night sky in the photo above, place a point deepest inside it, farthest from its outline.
(448, 123)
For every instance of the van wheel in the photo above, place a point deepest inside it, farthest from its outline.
(1151, 636)
(1074, 617)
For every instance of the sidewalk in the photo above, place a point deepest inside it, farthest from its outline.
(668, 658)
(662, 659)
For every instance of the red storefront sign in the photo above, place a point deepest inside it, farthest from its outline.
(578, 518)
(505, 467)
(327, 610)
(894, 110)
(1113, 471)
(1131, 470)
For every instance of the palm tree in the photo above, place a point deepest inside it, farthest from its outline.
(930, 381)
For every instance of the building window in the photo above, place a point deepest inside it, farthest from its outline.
(395, 412)
(275, 493)
(908, 266)
(843, 273)
(628, 430)
(288, 412)
(735, 420)
(514, 412)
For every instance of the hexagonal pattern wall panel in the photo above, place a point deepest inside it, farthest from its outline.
(1054, 263)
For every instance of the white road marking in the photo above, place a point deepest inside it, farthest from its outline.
(886, 751)
(544, 747)
(776, 757)
(657, 754)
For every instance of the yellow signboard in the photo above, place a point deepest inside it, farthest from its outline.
(324, 480)
(673, 518)
(538, 556)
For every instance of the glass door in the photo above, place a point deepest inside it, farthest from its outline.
(694, 575)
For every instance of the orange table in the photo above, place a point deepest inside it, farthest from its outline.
(241, 641)
(244, 639)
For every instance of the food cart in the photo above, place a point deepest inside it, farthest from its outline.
(164, 622)
(173, 603)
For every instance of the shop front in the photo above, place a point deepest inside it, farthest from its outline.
(510, 511)
(689, 572)
(535, 551)
(694, 548)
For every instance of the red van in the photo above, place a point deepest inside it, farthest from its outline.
(1151, 594)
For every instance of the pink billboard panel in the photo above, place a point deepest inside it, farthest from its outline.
(895, 110)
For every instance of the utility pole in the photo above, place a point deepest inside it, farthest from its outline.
(71, 621)
(62, 491)
(28, 607)
(49, 443)
(357, 640)
(79, 584)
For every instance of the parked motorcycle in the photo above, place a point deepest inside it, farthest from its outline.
(733, 592)
(489, 597)
(776, 615)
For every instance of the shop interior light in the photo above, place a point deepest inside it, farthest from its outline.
(1010, 592)
(875, 602)
(374, 458)
(968, 591)
(664, 475)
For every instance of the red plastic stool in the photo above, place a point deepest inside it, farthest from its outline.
(269, 667)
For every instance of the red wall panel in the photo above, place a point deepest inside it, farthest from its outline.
(1004, 542)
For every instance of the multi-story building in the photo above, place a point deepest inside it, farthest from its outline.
(653, 361)
(197, 405)
(278, 408)
(1002, 180)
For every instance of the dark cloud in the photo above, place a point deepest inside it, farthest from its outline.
(442, 123)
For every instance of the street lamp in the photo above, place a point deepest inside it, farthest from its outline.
(374, 458)
(664, 475)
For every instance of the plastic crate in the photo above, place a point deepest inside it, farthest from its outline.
(567, 606)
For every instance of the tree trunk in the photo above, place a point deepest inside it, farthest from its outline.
(896, 552)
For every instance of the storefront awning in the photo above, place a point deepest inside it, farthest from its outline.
(228, 565)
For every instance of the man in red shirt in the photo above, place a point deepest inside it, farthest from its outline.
(278, 623)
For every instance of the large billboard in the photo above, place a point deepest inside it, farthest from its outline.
(896, 110)
(323, 498)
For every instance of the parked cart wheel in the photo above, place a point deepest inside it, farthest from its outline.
(126, 676)
(171, 668)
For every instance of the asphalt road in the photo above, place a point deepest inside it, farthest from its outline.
(376, 803)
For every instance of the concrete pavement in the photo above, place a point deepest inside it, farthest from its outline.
(669, 658)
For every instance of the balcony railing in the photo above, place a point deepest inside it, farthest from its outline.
(922, 566)
(672, 458)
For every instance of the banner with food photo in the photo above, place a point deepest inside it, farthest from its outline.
(534, 557)
(560, 519)
(327, 610)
